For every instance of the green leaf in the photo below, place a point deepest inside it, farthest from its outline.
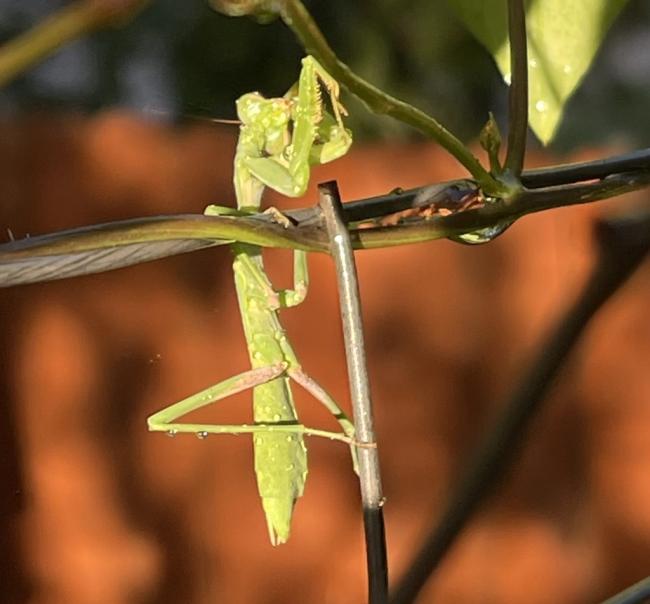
(563, 37)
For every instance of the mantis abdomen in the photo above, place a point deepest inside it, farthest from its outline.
(281, 457)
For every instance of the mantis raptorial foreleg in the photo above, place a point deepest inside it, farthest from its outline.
(279, 140)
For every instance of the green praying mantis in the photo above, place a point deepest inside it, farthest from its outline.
(280, 138)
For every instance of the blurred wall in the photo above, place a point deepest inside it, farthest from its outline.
(96, 510)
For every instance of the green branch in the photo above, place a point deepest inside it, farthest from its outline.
(71, 22)
(518, 95)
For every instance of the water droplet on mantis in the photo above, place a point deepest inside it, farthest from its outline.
(541, 106)
(201, 435)
(171, 433)
(276, 417)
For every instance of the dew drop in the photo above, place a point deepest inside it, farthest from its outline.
(201, 435)
(541, 106)
(172, 433)
(482, 235)
(276, 417)
(532, 63)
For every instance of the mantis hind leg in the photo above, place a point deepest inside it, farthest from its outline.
(164, 420)
(321, 395)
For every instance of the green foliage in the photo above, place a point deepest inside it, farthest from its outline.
(563, 38)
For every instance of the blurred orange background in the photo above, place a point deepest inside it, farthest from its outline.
(96, 510)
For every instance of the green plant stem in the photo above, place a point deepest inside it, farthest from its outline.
(298, 19)
(518, 95)
(69, 23)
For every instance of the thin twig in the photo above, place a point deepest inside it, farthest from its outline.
(368, 458)
(588, 170)
(67, 24)
(623, 244)
(637, 593)
(518, 94)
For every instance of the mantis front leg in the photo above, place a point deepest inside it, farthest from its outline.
(317, 136)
